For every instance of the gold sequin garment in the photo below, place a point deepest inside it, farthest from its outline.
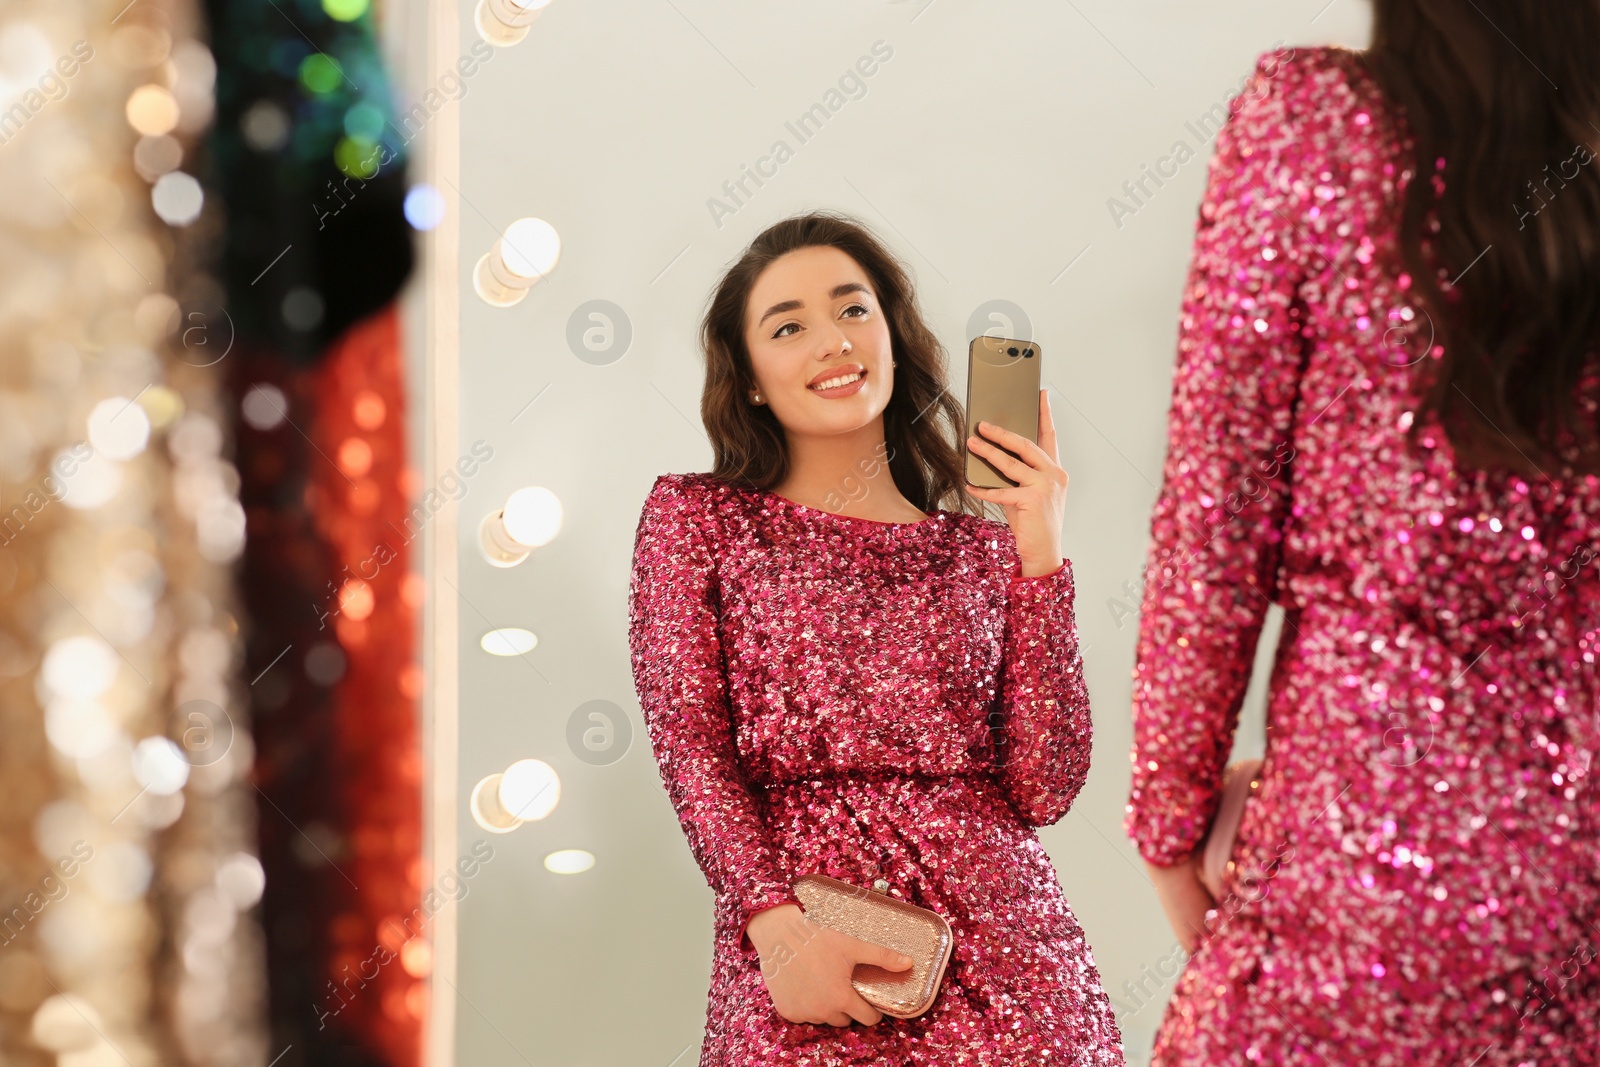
(1417, 880)
(861, 699)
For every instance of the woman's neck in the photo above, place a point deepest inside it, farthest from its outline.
(847, 474)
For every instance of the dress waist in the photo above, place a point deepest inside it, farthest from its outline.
(867, 774)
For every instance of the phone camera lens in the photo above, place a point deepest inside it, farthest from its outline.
(1027, 353)
(1011, 351)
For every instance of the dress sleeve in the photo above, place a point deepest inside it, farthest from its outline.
(679, 675)
(1043, 731)
(1217, 521)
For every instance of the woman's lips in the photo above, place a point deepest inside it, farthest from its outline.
(857, 379)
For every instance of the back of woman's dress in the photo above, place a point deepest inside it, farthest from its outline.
(1417, 879)
(870, 700)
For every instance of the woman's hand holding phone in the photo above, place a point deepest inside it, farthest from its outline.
(1033, 506)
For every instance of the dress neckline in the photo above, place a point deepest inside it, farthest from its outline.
(935, 515)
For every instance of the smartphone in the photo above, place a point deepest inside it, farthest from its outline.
(1002, 388)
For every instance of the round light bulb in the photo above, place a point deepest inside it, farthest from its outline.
(529, 789)
(532, 516)
(530, 248)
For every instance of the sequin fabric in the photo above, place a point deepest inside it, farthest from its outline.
(869, 700)
(1416, 878)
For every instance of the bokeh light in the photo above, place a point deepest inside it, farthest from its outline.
(345, 10)
(177, 198)
(119, 428)
(159, 766)
(79, 666)
(94, 483)
(264, 407)
(365, 121)
(357, 156)
(155, 156)
(424, 207)
(152, 110)
(265, 126)
(320, 73)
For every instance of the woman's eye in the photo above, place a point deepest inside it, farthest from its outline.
(853, 307)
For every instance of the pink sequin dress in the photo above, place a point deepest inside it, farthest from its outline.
(1417, 879)
(871, 700)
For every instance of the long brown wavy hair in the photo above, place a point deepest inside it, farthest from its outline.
(1507, 94)
(923, 421)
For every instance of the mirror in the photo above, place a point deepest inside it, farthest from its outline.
(1038, 168)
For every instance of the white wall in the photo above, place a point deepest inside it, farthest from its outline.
(984, 151)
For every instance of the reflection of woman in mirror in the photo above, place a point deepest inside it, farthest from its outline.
(840, 676)
(1384, 420)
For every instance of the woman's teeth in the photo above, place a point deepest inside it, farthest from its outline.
(834, 383)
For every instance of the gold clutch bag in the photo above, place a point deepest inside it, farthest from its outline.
(873, 915)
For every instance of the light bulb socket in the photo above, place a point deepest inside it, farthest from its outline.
(486, 282)
(488, 812)
(504, 22)
(498, 546)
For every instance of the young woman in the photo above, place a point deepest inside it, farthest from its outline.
(1384, 420)
(840, 676)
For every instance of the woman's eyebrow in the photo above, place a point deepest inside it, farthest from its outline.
(835, 293)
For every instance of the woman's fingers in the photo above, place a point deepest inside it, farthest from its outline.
(1047, 428)
(1009, 496)
(1002, 461)
(1184, 898)
(883, 956)
(862, 1012)
(1035, 456)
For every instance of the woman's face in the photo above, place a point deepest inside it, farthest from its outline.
(813, 319)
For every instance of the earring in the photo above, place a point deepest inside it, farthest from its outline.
(755, 398)
(894, 363)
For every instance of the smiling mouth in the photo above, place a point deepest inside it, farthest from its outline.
(836, 382)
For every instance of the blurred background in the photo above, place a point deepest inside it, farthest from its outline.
(342, 340)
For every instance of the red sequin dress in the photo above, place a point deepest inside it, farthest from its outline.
(866, 699)
(1417, 878)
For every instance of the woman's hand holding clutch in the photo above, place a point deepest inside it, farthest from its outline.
(1184, 898)
(808, 967)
